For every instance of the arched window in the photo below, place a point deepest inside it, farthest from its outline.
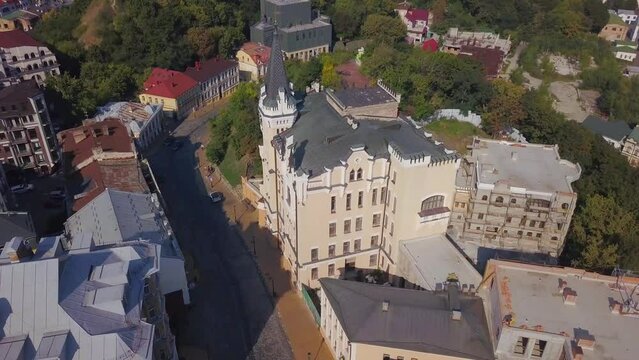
(433, 202)
(32, 55)
(499, 200)
(29, 67)
(41, 52)
(26, 56)
(35, 66)
(513, 200)
(14, 58)
(351, 177)
(359, 174)
(565, 206)
(485, 197)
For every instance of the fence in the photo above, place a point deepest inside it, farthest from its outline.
(311, 305)
(456, 114)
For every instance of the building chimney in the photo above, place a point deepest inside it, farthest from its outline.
(586, 342)
(453, 300)
(17, 250)
(562, 285)
(385, 305)
(615, 307)
(570, 296)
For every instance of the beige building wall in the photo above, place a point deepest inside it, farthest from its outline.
(306, 54)
(613, 32)
(180, 107)
(366, 352)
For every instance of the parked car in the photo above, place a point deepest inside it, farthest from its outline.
(216, 197)
(22, 188)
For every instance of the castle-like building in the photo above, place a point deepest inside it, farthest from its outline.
(346, 179)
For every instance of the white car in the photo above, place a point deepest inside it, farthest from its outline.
(22, 188)
(216, 197)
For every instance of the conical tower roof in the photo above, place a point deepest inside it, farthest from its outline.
(276, 78)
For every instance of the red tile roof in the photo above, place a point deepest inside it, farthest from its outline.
(414, 15)
(168, 83)
(110, 135)
(17, 38)
(203, 71)
(258, 52)
(490, 59)
(430, 45)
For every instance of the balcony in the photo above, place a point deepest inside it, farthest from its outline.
(434, 214)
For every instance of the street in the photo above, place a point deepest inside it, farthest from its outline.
(232, 314)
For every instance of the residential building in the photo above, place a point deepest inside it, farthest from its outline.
(614, 132)
(627, 16)
(625, 50)
(19, 19)
(430, 45)
(490, 59)
(7, 6)
(19, 224)
(302, 35)
(555, 313)
(513, 198)
(616, 29)
(116, 218)
(217, 78)
(631, 147)
(350, 175)
(432, 261)
(24, 58)
(253, 60)
(27, 140)
(365, 321)
(487, 48)
(178, 94)
(5, 192)
(100, 155)
(145, 122)
(102, 304)
(417, 22)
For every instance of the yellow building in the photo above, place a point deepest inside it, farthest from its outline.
(362, 321)
(253, 58)
(176, 92)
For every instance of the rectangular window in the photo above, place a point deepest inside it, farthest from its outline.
(538, 235)
(394, 177)
(347, 226)
(372, 261)
(480, 216)
(357, 245)
(385, 220)
(314, 253)
(331, 250)
(542, 224)
(314, 273)
(538, 349)
(374, 240)
(394, 203)
(360, 199)
(390, 250)
(560, 226)
(348, 201)
(520, 346)
(332, 229)
(382, 196)
(358, 224)
(509, 219)
(331, 269)
(347, 247)
(392, 229)
(533, 223)
(376, 220)
(374, 196)
(333, 204)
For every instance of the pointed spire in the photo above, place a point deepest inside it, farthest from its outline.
(276, 78)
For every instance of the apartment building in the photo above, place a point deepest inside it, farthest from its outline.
(178, 94)
(513, 197)
(27, 140)
(145, 122)
(365, 321)
(117, 218)
(631, 147)
(97, 156)
(301, 33)
(416, 21)
(24, 58)
(19, 19)
(253, 59)
(345, 179)
(100, 304)
(217, 78)
(556, 313)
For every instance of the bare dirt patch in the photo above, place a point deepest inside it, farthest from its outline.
(92, 20)
(575, 104)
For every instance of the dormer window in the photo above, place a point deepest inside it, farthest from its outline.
(351, 176)
(359, 174)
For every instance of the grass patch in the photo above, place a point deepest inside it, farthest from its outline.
(455, 135)
(231, 167)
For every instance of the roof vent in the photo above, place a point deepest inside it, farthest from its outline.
(513, 155)
(385, 305)
(570, 296)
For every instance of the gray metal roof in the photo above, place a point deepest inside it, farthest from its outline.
(43, 299)
(14, 224)
(356, 97)
(276, 79)
(415, 320)
(615, 130)
(115, 217)
(323, 138)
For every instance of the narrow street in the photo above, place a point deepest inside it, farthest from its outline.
(232, 314)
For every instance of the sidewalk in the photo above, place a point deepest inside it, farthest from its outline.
(300, 327)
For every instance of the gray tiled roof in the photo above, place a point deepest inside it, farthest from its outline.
(415, 320)
(356, 97)
(615, 130)
(276, 74)
(14, 224)
(323, 138)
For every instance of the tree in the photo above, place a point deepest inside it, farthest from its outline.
(330, 78)
(383, 29)
(505, 109)
(347, 17)
(597, 14)
(303, 73)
